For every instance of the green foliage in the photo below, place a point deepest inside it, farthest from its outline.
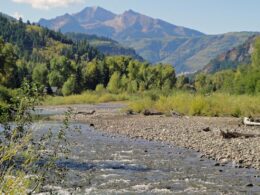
(55, 78)
(40, 73)
(132, 86)
(114, 84)
(5, 94)
(69, 86)
(25, 167)
(8, 69)
(100, 88)
(92, 74)
(256, 54)
(181, 81)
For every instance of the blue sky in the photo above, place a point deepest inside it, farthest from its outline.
(208, 16)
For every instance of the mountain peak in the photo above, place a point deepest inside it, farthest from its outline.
(93, 15)
(67, 15)
(130, 11)
(93, 9)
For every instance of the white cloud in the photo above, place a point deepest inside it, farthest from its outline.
(17, 15)
(47, 4)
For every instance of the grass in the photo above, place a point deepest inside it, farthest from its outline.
(217, 104)
(85, 98)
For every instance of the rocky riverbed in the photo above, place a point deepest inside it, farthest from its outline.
(203, 134)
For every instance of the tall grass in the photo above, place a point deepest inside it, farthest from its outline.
(194, 104)
(217, 104)
(85, 98)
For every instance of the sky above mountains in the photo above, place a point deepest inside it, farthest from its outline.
(208, 16)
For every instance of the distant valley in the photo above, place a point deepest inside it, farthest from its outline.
(154, 40)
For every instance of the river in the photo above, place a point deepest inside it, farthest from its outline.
(102, 163)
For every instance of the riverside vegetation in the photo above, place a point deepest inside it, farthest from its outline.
(28, 162)
(225, 93)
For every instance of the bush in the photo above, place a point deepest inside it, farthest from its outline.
(100, 88)
(5, 94)
(24, 166)
(69, 86)
(141, 105)
(114, 84)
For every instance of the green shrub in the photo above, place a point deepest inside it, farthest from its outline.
(100, 88)
(69, 86)
(5, 94)
(141, 105)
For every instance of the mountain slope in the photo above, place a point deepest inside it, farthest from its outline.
(155, 40)
(232, 58)
(105, 45)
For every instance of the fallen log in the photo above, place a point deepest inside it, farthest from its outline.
(232, 135)
(151, 113)
(249, 122)
(86, 113)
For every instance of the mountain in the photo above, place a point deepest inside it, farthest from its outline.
(107, 46)
(64, 23)
(129, 25)
(155, 40)
(232, 58)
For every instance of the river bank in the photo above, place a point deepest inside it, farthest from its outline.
(202, 134)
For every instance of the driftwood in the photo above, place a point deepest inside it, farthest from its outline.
(207, 129)
(251, 121)
(151, 113)
(232, 135)
(86, 113)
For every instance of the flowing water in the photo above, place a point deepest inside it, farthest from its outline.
(102, 163)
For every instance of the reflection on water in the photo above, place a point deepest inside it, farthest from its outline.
(104, 163)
